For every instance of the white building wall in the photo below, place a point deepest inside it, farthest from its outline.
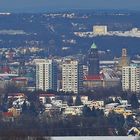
(72, 76)
(131, 78)
(45, 74)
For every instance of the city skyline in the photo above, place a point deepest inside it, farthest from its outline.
(54, 5)
(65, 70)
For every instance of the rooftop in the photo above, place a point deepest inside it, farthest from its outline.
(92, 78)
(93, 46)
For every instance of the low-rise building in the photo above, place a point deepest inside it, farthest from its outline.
(43, 97)
(20, 81)
(73, 110)
(106, 79)
(16, 112)
(127, 113)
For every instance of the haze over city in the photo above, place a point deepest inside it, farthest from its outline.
(69, 68)
(53, 5)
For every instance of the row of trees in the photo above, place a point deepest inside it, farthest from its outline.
(69, 126)
(96, 94)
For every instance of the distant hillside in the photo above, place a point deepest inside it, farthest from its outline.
(55, 31)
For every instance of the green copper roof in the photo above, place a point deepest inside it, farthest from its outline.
(93, 46)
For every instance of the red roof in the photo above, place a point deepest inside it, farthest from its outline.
(5, 69)
(19, 79)
(92, 78)
(8, 114)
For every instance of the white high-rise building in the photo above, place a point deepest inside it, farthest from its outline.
(131, 78)
(72, 76)
(46, 74)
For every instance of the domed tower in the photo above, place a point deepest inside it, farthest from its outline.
(93, 61)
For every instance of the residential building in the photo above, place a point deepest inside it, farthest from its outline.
(72, 76)
(131, 78)
(46, 74)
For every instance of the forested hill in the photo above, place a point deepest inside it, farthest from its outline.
(56, 30)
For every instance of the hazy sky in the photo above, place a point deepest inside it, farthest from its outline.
(44, 5)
